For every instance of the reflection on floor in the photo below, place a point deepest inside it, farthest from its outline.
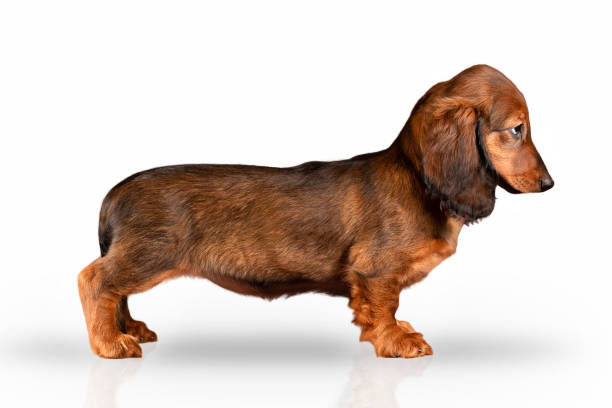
(372, 381)
(105, 376)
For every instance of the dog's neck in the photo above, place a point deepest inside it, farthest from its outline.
(451, 231)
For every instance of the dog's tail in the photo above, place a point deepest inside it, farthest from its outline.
(111, 210)
(108, 213)
(105, 228)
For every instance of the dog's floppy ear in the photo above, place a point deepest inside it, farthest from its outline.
(453, 165)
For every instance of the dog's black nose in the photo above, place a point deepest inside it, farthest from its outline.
(546, 183)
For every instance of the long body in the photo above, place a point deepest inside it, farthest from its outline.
(364, 228)
(265, 231)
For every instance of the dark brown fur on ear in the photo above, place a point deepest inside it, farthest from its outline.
(452, 166)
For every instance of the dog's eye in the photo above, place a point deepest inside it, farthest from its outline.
(517, 131)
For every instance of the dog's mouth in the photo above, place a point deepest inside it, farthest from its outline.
(506, 186)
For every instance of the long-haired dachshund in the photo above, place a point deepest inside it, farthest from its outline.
(364, 228)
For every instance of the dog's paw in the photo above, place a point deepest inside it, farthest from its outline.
(121, 346)
(140, 331)
(400, 342)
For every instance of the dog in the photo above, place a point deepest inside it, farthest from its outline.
(363, 228)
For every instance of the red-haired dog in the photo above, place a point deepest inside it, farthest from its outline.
(364, 228)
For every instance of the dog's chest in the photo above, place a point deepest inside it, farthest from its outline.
(431, 253)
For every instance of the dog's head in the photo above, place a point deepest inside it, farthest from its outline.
(470, 134)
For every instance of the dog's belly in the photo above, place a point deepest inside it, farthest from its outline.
(273, 289)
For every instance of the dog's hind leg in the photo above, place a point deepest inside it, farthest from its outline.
(128, 325)
(100, 301)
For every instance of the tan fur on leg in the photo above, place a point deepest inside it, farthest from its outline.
(99, 306)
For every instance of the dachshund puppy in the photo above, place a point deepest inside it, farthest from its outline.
(364, 228)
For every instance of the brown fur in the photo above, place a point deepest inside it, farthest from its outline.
(364, 228)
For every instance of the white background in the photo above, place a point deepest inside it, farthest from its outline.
(91, 92)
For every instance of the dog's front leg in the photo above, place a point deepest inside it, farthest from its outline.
(374, 301)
